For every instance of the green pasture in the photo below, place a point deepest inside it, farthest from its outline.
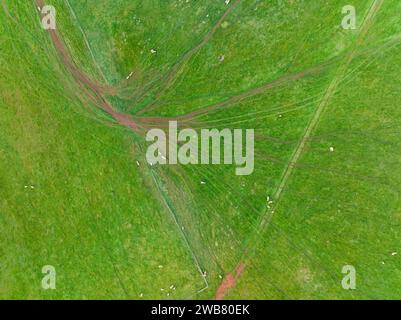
(76, 191)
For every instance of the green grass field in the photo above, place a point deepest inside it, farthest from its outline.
(77, 193)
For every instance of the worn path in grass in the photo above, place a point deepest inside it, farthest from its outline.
(93, 90)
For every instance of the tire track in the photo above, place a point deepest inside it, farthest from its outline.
(93, 90)
(174, 72)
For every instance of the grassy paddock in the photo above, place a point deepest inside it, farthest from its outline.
(72, 194)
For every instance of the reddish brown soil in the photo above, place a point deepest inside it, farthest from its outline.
(93, 90)
(229, 281)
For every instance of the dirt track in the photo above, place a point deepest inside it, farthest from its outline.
(93, 90)
(229, 281)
